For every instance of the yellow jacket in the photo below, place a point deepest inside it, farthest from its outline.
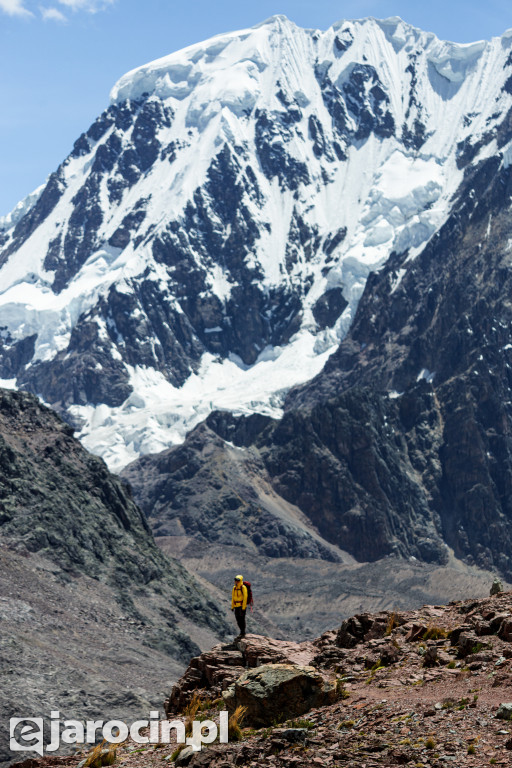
(239, 597)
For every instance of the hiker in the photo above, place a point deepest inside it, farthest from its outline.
(239, 603)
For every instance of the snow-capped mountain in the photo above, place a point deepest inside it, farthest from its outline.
(206, 243)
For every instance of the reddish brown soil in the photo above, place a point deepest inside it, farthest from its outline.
(433, 706)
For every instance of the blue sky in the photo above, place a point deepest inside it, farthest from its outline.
(59, 58)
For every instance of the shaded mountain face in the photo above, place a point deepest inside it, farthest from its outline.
(61, 502)
(295, 505)
(220, 494)
(207, 241)
(93, 616)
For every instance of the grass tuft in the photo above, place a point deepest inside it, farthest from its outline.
(176, 752)
(434, 632)
(234, 723)
(309, 724)
(392, 624)
(191, 711)
(341, 691)
(100, 755)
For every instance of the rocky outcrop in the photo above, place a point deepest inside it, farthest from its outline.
(272, 692)
(213, 672)
(386, 637)
(398, 697)
(365, 627)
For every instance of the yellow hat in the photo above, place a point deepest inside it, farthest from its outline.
(239, 578)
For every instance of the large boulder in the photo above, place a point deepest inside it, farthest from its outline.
(504, 712)
(276, 692)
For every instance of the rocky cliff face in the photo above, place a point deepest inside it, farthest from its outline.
(220, 494)
(61, 502)
(93, 616)
(442, 356)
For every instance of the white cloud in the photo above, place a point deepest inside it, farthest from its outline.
(14, 8)
(53, 14)
(92, 6)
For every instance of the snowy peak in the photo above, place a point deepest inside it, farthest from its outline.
(231, 69)
(208, 240)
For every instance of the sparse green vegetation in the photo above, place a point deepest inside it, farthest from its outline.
(375, 668)
(341, 691)
(309, 724)
(176, 752)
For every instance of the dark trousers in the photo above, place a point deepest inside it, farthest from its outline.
(240, 619)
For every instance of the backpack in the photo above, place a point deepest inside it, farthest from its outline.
(250, 601)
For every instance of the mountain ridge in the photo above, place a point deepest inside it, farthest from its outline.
(206, 244)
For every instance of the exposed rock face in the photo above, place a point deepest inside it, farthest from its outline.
(273, 692)
(445, 323)
(365, 627)
(392, 691)
(93, 615)
(341, 464)
(61, 502)
(402, 445)
(222, 495)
